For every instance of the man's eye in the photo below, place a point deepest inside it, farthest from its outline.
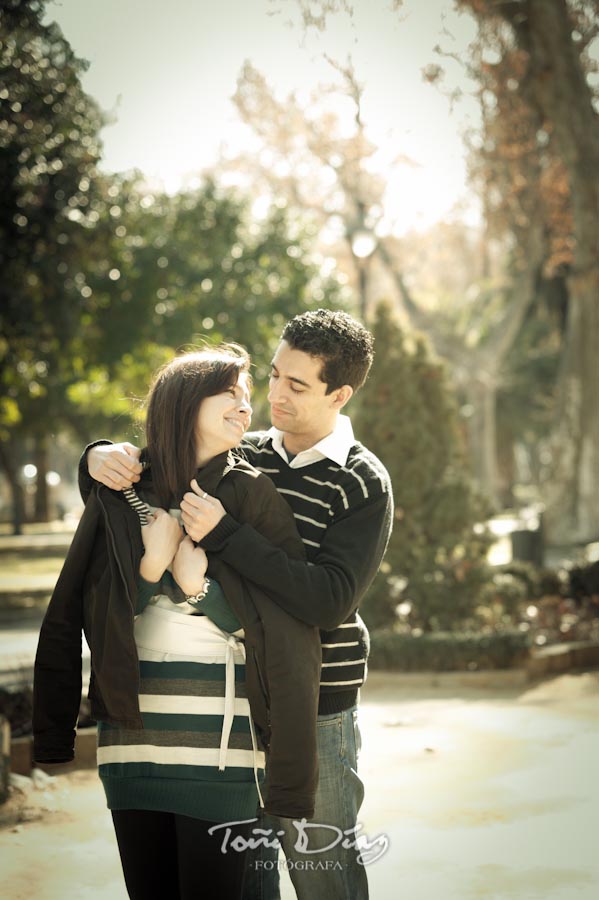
(296, 390)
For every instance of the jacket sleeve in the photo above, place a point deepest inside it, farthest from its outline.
(327, 590)
(265, 512)
(57, 671)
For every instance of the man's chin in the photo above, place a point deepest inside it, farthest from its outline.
(277, 418)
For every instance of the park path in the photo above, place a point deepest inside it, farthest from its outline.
(483, 792)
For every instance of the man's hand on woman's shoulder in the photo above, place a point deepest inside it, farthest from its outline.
(115, 465)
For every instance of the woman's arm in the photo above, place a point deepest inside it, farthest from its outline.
(161, 538)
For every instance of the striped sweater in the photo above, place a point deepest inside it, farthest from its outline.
(344, 516)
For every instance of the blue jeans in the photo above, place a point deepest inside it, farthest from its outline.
(319, 867)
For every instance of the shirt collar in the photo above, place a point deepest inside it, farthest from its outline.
(335, 446)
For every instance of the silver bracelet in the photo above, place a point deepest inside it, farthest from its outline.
(197, 598)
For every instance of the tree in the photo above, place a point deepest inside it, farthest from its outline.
(338, 189)
(407, 415)
(539, 152)
(168, 272)
(103, 280)
(49, 148)
(317, 156)
(552, 39)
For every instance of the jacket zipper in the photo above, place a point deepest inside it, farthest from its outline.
(124, 580)
(114, 550)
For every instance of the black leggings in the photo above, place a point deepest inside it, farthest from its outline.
(171, 857)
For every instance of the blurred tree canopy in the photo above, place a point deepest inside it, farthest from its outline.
(102, 280)
(534, 161)
(316, 155)
(49, 149)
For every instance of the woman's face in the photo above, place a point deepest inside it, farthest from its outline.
(223, 420)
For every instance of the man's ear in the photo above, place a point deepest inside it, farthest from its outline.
(342, 395)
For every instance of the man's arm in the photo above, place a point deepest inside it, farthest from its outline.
(326, 592)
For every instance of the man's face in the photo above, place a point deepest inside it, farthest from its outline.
(298, 399)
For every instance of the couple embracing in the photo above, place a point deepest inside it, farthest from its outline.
(216, 575)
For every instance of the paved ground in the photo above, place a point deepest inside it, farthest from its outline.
(482, 792)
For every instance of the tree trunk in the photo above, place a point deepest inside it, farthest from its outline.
(16, 488)
(572, 489)
(482, 438)
(557, 86)
(41, 510)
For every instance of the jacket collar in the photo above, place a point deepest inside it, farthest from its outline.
(210, 476)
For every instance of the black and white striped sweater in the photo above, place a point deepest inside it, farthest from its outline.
(344, 515)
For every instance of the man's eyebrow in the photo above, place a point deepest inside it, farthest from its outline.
(291, 377)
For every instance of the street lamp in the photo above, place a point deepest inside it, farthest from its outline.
(362, 243)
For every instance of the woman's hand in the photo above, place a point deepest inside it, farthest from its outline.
(189, 567)
(200, 512)
(161, 537)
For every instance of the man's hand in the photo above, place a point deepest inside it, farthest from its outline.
(115, 465)
(200, 513)
(189, 567)
(161, 538)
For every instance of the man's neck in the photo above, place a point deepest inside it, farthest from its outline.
(295, 443)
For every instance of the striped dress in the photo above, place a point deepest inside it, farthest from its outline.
(197, 753)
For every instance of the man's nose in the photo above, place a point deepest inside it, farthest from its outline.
(274, 390)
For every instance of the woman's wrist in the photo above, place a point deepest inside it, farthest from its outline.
(196, 596)
(150, 571)
(194, 587)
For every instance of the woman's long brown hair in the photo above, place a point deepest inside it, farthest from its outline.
(173, 402)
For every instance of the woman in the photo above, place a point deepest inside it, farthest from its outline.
(170, 676)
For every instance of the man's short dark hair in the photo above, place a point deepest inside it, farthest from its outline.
(343, 344)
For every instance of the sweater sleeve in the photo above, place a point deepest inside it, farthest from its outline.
(145, 591)
(322, 593)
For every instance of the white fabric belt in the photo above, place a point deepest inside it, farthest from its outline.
(174, 637)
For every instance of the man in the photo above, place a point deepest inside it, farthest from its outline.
(342, 501)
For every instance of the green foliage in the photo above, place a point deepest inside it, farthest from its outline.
(172, 272)
(48, 152)
(103, 280)
(448, 651)
(525, 400)
(436, 559)
(506, 591)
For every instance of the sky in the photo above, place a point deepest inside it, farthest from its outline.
(166, 73)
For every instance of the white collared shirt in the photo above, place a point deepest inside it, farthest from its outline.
(335, 446)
